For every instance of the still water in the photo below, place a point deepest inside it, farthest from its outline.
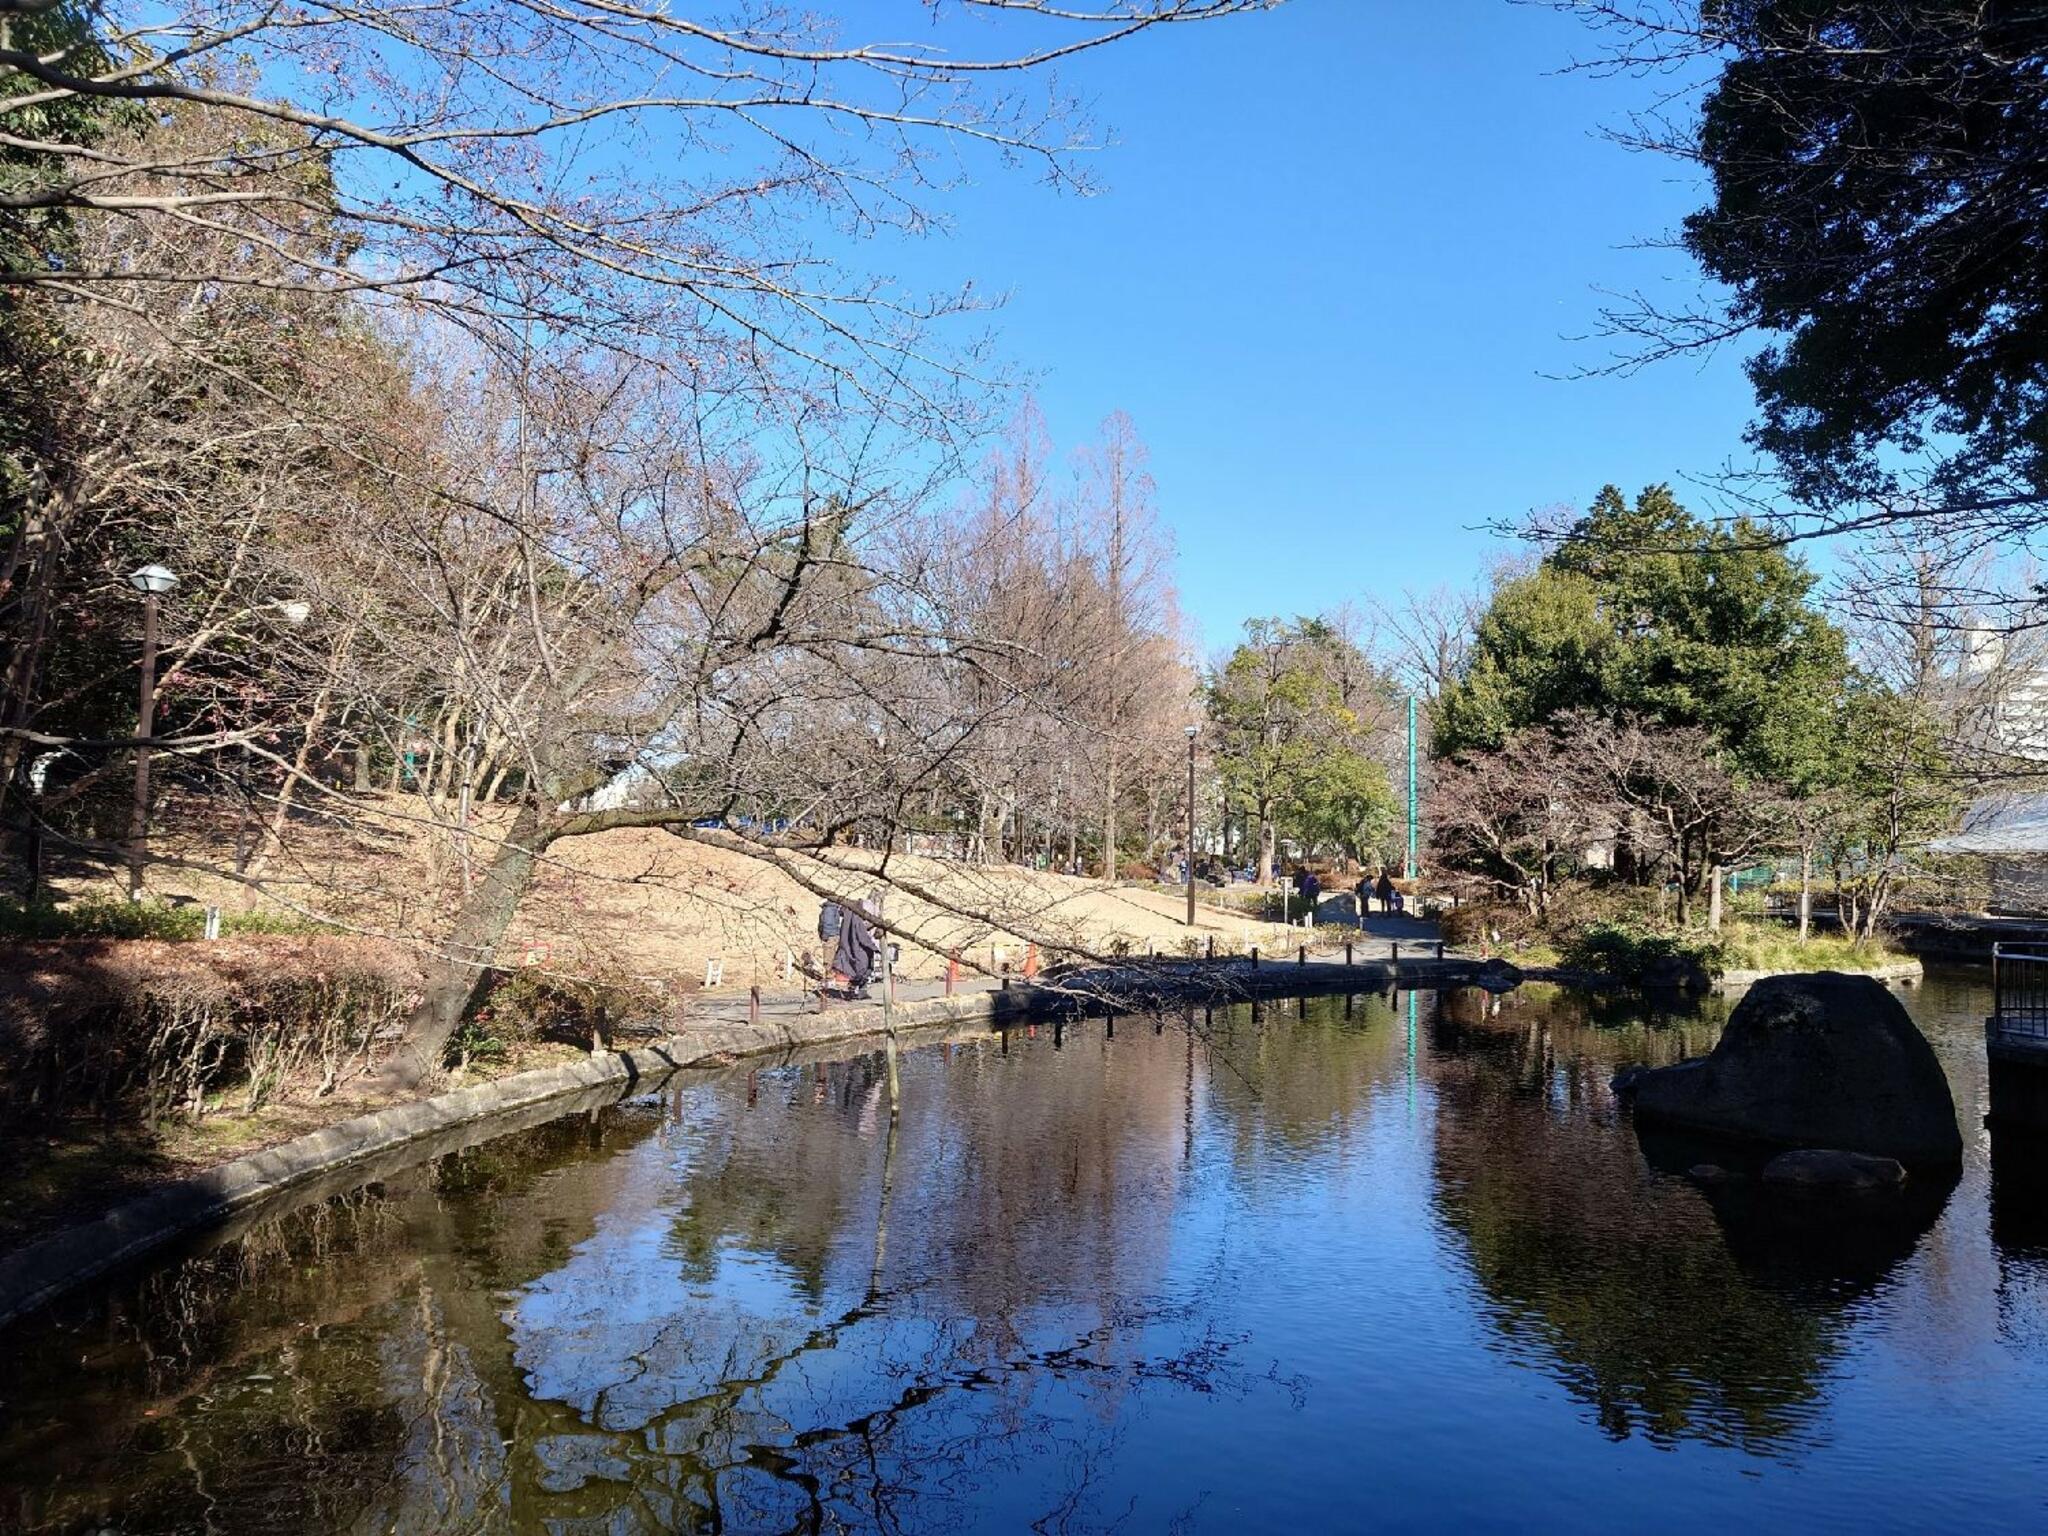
(1387, 1264)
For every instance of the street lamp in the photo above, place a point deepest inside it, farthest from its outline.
(1193, 731)
(152, 581)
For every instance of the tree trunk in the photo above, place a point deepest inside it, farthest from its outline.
(280, 816)
(462, 957)
(1714, 897)
(1266, 841)
(1805, 893)
(1109, 820)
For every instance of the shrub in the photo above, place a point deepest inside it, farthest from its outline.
(1573, 907)
(540, 1005)
(163, 1029)
(1629, 951)
(108, 917)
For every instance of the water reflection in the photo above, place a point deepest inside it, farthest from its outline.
(1225, 1272)
(1618, 1283)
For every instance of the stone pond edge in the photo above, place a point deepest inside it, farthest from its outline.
(39, 1272)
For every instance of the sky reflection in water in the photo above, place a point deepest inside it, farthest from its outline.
(1386, 1264)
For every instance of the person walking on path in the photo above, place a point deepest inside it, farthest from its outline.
(1390, 895)
(831, 918)
(1364, 895)
(858, 950)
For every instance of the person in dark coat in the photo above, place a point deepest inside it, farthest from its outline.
(1390, 895)
(858, 950)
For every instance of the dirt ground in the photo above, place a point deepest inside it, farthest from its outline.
(649, 907)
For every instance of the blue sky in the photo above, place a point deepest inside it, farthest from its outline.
(1339, 249)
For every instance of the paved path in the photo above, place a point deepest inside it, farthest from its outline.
(1415, 936)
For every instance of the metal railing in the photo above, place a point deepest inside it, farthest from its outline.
(2019, 991)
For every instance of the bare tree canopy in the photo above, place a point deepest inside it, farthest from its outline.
(533, 461)
(594, 165)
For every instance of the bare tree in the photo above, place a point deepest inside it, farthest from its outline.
(1508, 817)
(607, 168)
(580, 457)
(1132, 555)
(1425, 637)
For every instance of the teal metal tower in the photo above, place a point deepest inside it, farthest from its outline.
(1409, 869)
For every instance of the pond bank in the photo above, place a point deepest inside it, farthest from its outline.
(1894, 970)
(41, 1270)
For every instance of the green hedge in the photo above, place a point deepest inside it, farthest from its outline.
(105, 917)
(1629, 951)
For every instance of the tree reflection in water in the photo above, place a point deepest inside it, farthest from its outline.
(1059, 1291)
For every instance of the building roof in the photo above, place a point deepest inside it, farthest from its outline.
(2010, 823)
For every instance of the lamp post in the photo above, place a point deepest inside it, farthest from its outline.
(152, 581)
(1193, 730)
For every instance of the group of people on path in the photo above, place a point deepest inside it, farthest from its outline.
(1310, 890)
(1391, 899)
(847, 935)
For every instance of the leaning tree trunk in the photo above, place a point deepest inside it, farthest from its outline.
(465, 953)
(1714, 878)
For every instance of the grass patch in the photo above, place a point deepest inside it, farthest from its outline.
(1769, 946)
(106, 917)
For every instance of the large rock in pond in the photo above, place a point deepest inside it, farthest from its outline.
(1822, 1060)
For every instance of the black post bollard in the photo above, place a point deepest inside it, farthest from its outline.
(754, 1004)
(1112, 1026)
(1397, 954)
(1439, 949)
(1301, 955)
(1212, 946)
(1058, 1034)
(1255, 957)
(1347, 954)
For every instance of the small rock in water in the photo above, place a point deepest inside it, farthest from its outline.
(1711, 1173)
(1830, 1170)
(1498, 976)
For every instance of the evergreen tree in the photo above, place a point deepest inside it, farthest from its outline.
(1645, 612)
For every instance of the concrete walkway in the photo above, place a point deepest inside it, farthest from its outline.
(1384, 935)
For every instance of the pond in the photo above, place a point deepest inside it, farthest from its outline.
(1368, 1264)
